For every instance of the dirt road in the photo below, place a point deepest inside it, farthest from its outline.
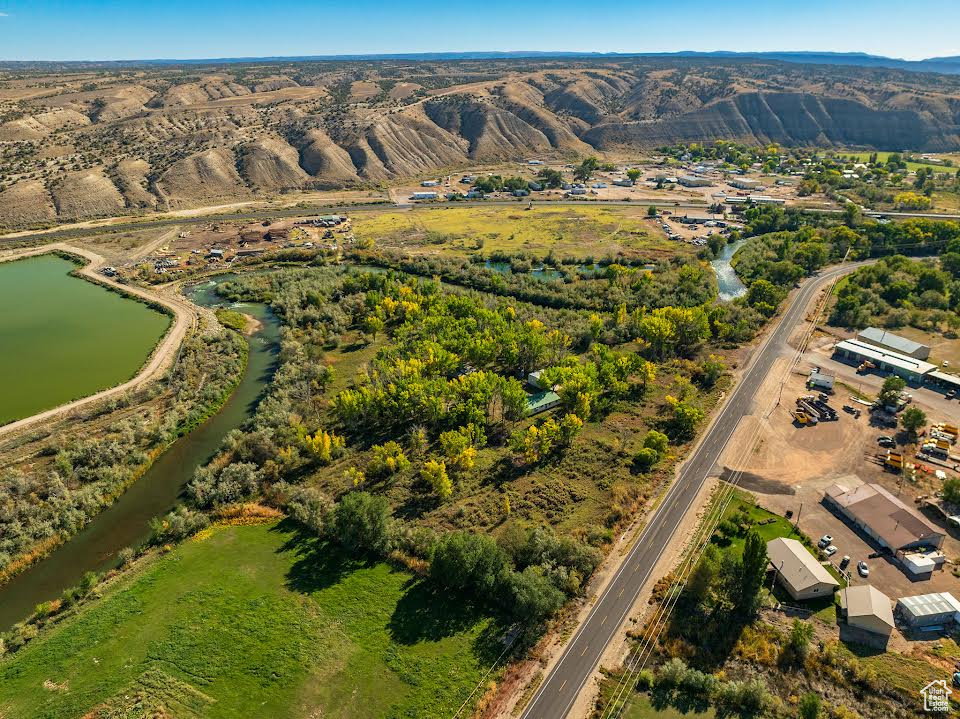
(184, 317)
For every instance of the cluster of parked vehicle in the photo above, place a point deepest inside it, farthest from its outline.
(826, 544)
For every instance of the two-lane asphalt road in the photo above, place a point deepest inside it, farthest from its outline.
(559, 690)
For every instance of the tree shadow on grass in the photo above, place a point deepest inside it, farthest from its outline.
(319, 564)
(425, 614)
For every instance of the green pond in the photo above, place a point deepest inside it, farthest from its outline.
(63, 337)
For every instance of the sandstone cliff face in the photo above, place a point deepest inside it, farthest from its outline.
(169, 138)
(786, 118)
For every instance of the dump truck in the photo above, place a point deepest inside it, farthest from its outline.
(801, 417)
(948, 431)
(933, 450)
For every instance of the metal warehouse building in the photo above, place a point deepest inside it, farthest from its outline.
(910, 369)
(929, 610)
(895, 343)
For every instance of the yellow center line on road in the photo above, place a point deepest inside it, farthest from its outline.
(584, 650)
(562, 686)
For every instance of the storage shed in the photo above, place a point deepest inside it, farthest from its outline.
(867, 609)
(929, 610)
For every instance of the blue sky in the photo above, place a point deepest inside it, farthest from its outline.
(110, 29)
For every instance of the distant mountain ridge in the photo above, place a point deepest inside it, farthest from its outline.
(95, 143)
(946, 65)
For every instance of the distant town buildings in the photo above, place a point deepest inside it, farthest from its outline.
(694, 181)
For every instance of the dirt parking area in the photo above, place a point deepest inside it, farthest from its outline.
(788, 467)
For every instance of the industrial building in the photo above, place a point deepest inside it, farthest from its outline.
(914, 542)
(942, 381)
(929, 611)
(743, 183)
(894, 343)
(798, 571)
(911, 369)
(694, 181)
(755, 200)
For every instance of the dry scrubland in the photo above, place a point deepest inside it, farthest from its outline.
(92, 143)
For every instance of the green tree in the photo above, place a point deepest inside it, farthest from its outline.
(646, 459)
(951, 491)
(651, 211)
(657, 441)
(747, 699)
(373, 325)
(463, 561)
(753, 569)
(685, 419)
(532, 597)
(435, 473)
(633, 174)
(798, 644)
(809, 707)
(890, 391)
(550, 178)
(912, 420)
(764, 296)
(584, 171)
(361, 524)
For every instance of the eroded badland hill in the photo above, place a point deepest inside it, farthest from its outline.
(79, 142)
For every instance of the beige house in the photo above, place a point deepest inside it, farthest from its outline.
(798, 571)
(868, 609)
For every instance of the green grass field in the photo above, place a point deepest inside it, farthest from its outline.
(640, 708)
(578, 232)
(912, 166)
(255, 621)
(767, 524)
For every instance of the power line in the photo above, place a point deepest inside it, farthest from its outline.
(679, 584)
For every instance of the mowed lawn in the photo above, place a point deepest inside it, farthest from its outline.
(578, 232)
(254, 621)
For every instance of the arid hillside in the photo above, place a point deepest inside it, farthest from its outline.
(82, 141)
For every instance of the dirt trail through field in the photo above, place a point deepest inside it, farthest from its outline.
(185, 317)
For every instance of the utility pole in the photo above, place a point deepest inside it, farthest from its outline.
(796, 523)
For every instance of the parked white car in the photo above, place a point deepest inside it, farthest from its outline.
(830, 551)
(862, 569)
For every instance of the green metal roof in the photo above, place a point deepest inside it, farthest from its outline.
(541, 401)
